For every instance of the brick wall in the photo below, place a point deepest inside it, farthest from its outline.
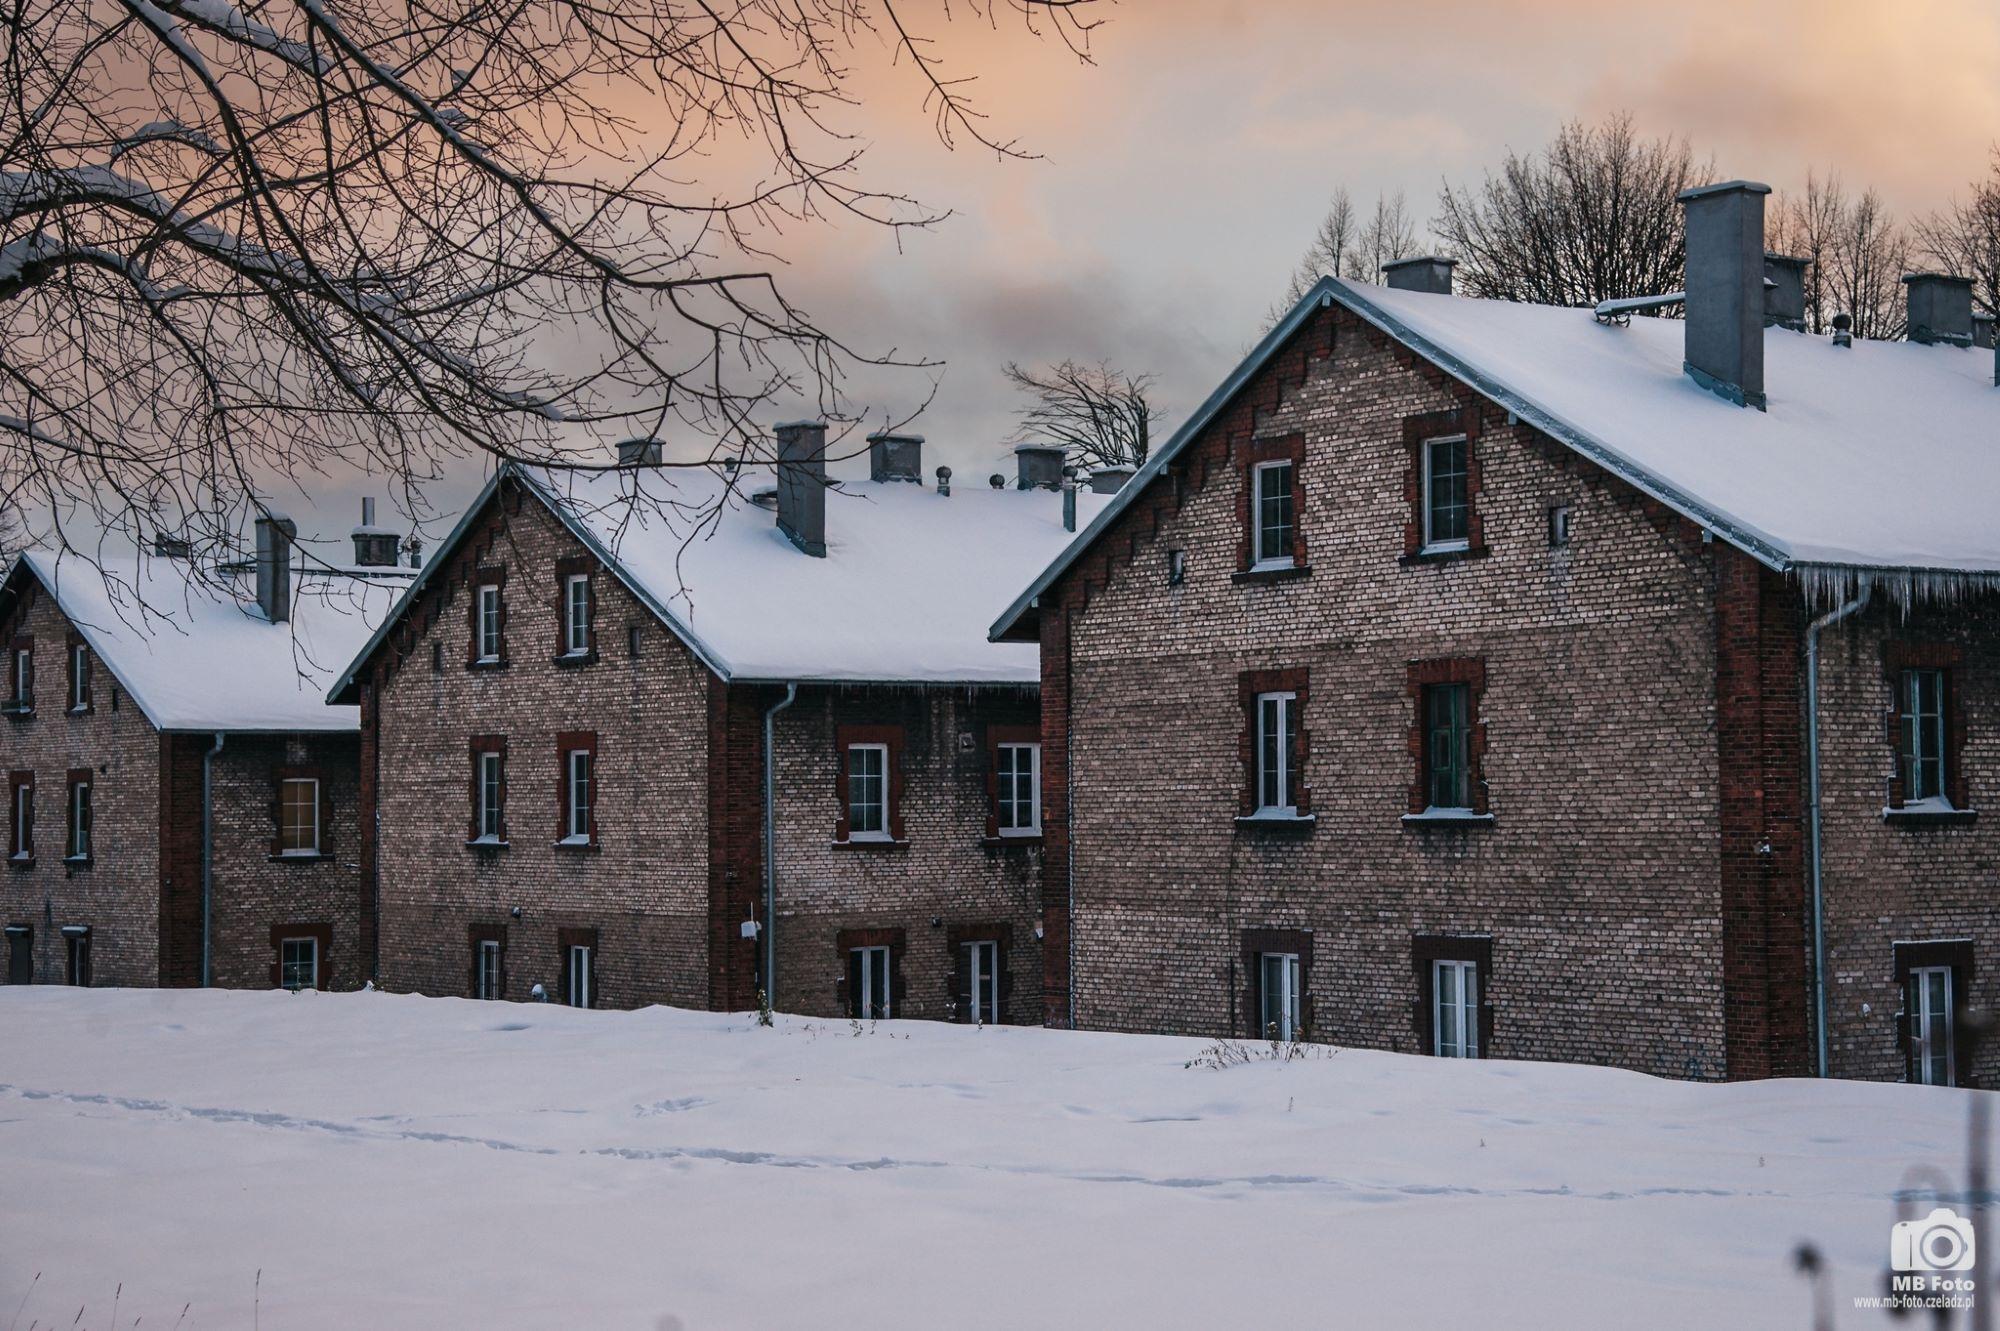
(644, 887)
(1598, 878)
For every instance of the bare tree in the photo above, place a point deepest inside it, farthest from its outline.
(1100, 416)
(1811, 226)
(1964, 238)
(1591, 217)
(1388, 235)
(244, 248)
(1866, 267)
(1348, 246)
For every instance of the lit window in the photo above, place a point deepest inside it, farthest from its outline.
(1275, 724)
(1273, 517)
(298, 963)
(576, 614)
(868, 983)
(489, 621)
(868, 790)
(298, 816)
(1455, 1009)
(1280, 993)
(1923, 734)
(1018, 782)
(1446, 507)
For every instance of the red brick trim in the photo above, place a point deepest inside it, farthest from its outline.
(1256, 942)
(995, 737)
(1467, 670)
(70, 680)
(318, 930)
(578, 937)
(892, 737)
(959, 996)
(477, 577)
(846, 940)
(1956, 953)
(1949, 660)
(568, 742)
(1476, 948)
(477, 745)
(1249, 684)
(20, 850)
(475, 934)
(566, 568)
(1286, 448)
(735, 842)
(1417, 430)
(280, 775)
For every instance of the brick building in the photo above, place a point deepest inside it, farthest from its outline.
(1497, 640)
(180, 799)
(610, 694)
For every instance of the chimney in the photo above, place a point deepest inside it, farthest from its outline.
(638, 452)
(1110, 480)
(1725, 289)
(275, 534)
(1983, 330)
(171, 547)
(374, 547)
(1422, 272)
(1940, 308)
(1069, 498)
(802, 485)
(1038, 466)
(1785, 291)
(895, 457)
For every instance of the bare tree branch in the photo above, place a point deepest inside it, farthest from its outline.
(1100, 416)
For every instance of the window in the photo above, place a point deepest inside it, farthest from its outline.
(489, 790)
(580, 792)
(1447, 506)
(1922, 734)
(1930, 1001)
(867, 791)
(487, 977)
(576, 614)
(868, 983)
(21, 821)
(488, 622)
(298, 963)
(76, 955)
(1018, 776)
(1176, 567)
(1559, 520)
(633, 637)
(1455, 1009)
(1279, 1011)
(79, 844)
(1274, 752)
(1274, 516)
(21, 677)
(579, 971)
(981, 961)
(1446, 769)
(20, 954)
(79, 677)
(298, 816)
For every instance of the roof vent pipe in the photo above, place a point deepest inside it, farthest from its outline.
(1725, 289)
(802, 485)
(1038, 466)
(374, 547)
(944, 482)
(1069, 498)
(896, 457)
(1420, 272)
(415, 545)
(1785, 291)
(1843, 330)
(1940, 308)
(275, 534)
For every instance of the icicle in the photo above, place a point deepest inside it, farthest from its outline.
(1829, 585)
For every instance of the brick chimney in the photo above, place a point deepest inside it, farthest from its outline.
(1785, 291)
(638, 452)
(1420, 272)
(895, 457)
(275, 534)
(374, 547)
(802, 484)
(1038, 466)
(1111, 479)
(1725, 289)
(1940, 308)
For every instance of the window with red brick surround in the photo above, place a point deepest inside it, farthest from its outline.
(891, 739)
(846, 941)
(1949, 661)
(476, 936)
(1421, 675)
(567, 940)
(1250, 684)
(1257, 943)
(958, 939)
(495, 577)
(1955, 954)
(1475, 948)
(21, 817)
(480, 746)
(77, 660)
(996, 737)
(80, 845)
(1290, 448)
(1417, 431)
(21, 676)
(279, 776)
(321, 933)
(576, 566)
(570, 742)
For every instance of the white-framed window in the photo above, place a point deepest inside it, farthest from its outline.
(982, 977)
(79, 821)
(868, 971)
(868, 791)
(576, 614)
(486, 973)
(1455, 1009)
(23, 679)
(1272, 518)
(579, 983)
(1933, 1058)
(579, 778)
(489, 621)
(1447, 501)
(79, 677)
(1923, 735)
(24, 820)
(298, 815)
(76, 955)
(1018, 787)
(1279, 994)
(298, 963)
(492, 795)
(1275, 725)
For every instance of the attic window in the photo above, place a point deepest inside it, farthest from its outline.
(1559, 517)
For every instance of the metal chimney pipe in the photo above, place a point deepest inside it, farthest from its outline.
(1069, 498)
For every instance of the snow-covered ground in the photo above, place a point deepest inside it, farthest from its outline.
(368, 1160)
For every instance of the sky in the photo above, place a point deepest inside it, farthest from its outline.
(1179, 176)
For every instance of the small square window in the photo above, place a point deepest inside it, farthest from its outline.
(1559, 517)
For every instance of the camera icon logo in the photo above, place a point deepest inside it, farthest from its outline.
(1941, 1241)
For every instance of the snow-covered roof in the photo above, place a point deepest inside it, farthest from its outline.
(193, 651)
(1872, 461)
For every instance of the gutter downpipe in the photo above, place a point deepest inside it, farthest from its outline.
(1813, 630)
(208, 849)
(771, 847)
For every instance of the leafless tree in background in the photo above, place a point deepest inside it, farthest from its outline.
(1856, 254)
(1099, 415)
(1964, 238)
(1388, 235)
(1347, 245)
(1811, 226)
(1591, 217)
(244, 248)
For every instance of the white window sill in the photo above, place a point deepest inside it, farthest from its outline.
(1274, 819)
(77, 859)
(1273, 565)
(1445, 548)
(1020, 833)
(1936, 811)
(575, 841)
(487, 843)
(312, 854)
